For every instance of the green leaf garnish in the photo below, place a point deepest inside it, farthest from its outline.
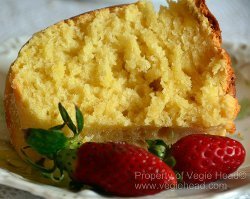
(66, 118)
(79, 119)
(46, 142)
(52, 143)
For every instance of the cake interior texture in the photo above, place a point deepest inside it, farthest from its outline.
(134, 72)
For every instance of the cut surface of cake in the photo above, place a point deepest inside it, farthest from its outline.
(134, 72)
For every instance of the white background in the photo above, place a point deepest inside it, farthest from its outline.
(24, 17)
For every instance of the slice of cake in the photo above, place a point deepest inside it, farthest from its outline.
(135, 74)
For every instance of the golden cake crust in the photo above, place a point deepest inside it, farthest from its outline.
(201, 5)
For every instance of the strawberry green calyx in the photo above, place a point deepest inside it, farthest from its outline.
(53, 144)
(68, 121)
(162, 150)
(43, 141)
(49, 142)
(159, 148)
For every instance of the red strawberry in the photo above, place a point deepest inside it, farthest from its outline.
(120, 168)
(207, 158)
(117, 168)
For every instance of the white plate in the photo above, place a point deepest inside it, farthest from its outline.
(238, 186)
